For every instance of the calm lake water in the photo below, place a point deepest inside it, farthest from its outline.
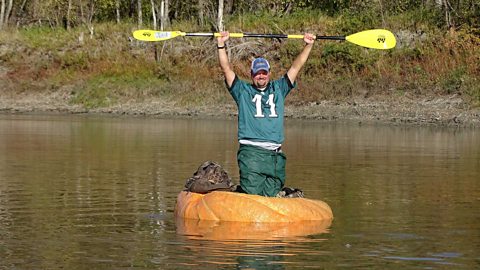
(81, 192)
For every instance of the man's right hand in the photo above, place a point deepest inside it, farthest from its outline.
(224, 36)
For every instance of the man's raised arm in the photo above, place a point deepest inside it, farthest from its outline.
(301, 58)
(223, 58)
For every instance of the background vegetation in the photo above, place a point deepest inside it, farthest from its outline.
(83, 49)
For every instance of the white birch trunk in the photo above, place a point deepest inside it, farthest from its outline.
(154, 15)
(69, 8)
(166, 12)
(2, 13)
(162, 15)
(201, 15)
(117, 10)
(139, 12)
(220, 15)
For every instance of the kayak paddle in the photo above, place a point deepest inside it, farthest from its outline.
(374, 39)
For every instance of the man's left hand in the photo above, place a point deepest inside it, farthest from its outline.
(309, 38)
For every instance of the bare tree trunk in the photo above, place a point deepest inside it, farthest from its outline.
(158, 56)
(288, 8)
(90, 17)
(154, 15)
(131, 9)
(22, 6)
(448, 17)
(9, 11)
(82, 13)
(117, 10)
(220, 15)
(69, 8)
(139, 13)
(443, 4)
(20, 11)
(201, 15)
(2, 13)
(162, 15)
(166, 11)
(5, 12)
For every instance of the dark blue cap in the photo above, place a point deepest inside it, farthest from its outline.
(260, 64)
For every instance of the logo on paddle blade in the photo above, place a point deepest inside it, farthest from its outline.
(381, 39)
(161, 35)
(146, 34)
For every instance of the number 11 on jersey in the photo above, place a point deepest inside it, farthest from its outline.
(257, 99)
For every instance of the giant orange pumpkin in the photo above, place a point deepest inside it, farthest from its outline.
(232, 206)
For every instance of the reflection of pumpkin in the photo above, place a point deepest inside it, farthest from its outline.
(232, 206)
(227, 230)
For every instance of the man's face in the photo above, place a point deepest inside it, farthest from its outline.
(260, 79)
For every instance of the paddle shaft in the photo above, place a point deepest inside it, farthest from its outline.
(249, 35)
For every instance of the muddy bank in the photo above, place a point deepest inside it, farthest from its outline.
(439, 111)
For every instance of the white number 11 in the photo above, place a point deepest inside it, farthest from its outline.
(258, 105)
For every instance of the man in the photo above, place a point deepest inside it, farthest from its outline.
(260, 119)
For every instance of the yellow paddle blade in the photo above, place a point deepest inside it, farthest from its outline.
(375, 39)
(151, 35)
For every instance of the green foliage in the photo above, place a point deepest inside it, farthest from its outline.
(45, 38)
(351, 21)
(459, 81)
(110, 88)
(343, 57)
(474, 91)
(94, 97)
(453, 81)
(79, 60)
(294, 23)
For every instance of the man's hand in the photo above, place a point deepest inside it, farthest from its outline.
(309, 38)
(224, 36)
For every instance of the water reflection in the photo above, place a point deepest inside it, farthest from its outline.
(215, 230)
(250, 245)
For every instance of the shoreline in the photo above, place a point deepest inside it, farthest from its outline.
(434, 111)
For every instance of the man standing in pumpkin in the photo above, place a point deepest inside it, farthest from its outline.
(260, 119)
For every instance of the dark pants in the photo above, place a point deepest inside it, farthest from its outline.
(262, 171)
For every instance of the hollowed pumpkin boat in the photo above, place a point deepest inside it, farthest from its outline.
(240, 207)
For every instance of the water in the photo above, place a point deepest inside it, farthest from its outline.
(79, 192)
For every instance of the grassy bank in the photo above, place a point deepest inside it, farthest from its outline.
(109, 67)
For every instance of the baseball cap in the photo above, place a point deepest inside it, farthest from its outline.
(260, 64)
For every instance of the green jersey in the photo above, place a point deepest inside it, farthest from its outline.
(261, 113)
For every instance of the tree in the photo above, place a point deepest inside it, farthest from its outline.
(165, 20)
(117, 10)
(69, 9)
(443, 5)
(154, 14)
(5, 12)
(220, 15)
(139, 13)
(201, 14)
